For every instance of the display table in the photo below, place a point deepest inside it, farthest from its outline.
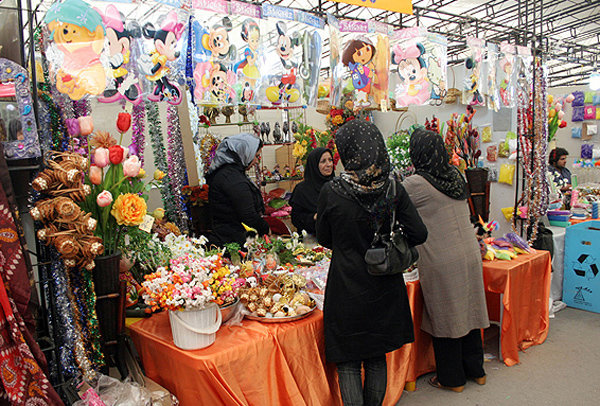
(522, 286)
(268, 364)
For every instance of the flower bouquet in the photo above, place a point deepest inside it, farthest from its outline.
(308, 138)
(398, 149)
(118, 199)
(196, 195)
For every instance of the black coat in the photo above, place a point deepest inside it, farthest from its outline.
(303, 216)
(233, 199)
(364, 316)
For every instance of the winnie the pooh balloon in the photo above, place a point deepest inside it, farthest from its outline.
(78, 33)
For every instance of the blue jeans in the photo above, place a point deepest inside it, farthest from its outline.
(351, 385)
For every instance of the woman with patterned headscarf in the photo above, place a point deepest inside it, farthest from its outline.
(232, 197)
(450, 268)
(365, 316)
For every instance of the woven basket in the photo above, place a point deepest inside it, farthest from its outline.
(453, 93)
(323, 106)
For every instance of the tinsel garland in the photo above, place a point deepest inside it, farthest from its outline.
(83, 301)
(189, 63)
(176, 166)
(45, 130)
(138, 139)
(160, 158)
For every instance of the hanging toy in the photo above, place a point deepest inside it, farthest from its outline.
(412, 71)
(358, 56)
(247, 66)
(155, 66)
(215, 79)
(309, 69)
(77, 31)
(123, 84)
(286, 90)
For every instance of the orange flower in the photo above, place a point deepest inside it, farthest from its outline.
(129, 209)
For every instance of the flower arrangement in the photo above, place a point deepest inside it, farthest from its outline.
(398, 149)
(181, 245)
(117, 200)
(196, 195)
(308, 138)
(190, 282)
(555, 115)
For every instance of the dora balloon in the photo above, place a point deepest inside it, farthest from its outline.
(123, 84)
(165, 50)
(77, 31)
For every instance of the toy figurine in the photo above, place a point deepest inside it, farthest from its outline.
(227, 111)
(265, 129)
(294, 127)
(243, 110)
(275, 174)
(277, 133)
(286, 130)
(299, 171)
(286, 172)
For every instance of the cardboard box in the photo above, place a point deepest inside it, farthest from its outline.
(581, 284)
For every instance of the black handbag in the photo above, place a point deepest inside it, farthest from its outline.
(390, 254)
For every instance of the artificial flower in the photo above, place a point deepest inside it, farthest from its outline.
(101, 157)
(141, 174)
(72, 126)
(95, 174)
(159, 175)
(570, 98)
(561, 114)
(104, 198)
(131, 166)
(158, 213)
(86, 125)
(562, 124)
(116, 154)
(123, 122)
(129, 209)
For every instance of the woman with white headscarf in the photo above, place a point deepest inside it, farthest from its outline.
(232, 197)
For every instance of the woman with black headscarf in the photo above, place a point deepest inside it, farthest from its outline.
(365, 316)
(450, 269)
(319, 169)
(232, 197)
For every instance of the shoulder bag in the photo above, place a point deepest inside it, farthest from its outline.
(390, 254)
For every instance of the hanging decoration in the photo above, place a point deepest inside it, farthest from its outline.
(138, 140)
(335, 64)
(120, 34)
(366, 55)
(161, 57)
(472, 94)
(505, 79)
(213, 53)
(176, 167)
(77, 40)
(493, 95)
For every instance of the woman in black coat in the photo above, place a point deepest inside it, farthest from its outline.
(318, 171)
(232, 197)
(365, 316)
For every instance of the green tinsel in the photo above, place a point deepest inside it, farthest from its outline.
(160, 158)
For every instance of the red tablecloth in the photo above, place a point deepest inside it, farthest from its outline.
(524, 283)
(267, 364)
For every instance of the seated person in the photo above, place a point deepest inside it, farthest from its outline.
(561, 175)
(318, 171)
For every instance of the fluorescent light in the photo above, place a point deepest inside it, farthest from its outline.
(595, 81)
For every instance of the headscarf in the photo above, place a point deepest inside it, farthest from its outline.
(241, 148)
(366, 162)
(430, 159)
(306, 193)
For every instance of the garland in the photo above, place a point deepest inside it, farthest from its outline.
(137, 133)
(176, 166)
(160, 158)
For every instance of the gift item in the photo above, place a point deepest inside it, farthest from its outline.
(472, 94)
(596, 100)
(587, 151)
(506, 78)
(588, 131)
(492, 153)
(486, 134)
(589, 112)
(507, 174)
(588, 97)
(578, 114)
(578, 99)
(576, 132)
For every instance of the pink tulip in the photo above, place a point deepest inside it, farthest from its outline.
(86, 125)
(131, 166)
(101, 157)
(561, 114)
(558, 106)
(570, 98)
(96, 174)
(104, 198)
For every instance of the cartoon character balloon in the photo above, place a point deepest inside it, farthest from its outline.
(412, 71)
(77, 31)
(154, 65)
(123, 83)
(358, 56)
(248, 67)
(287, 89)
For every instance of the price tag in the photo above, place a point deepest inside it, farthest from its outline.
(147, 223)
(383, 105)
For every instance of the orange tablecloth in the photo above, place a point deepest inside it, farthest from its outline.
(267, 364)
(525, 285)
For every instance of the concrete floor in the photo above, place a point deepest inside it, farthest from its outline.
(564, 370)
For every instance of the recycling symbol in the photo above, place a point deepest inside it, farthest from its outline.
(586, 266)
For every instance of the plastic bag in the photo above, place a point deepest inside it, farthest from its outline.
(493, 95)
(116, 393)
(486, 134)
(472, 94)
(507, 173)
(506, 85)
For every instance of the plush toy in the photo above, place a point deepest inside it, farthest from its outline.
(77, 31)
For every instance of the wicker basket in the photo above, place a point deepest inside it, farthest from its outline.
(323, 106)
(453, 93)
